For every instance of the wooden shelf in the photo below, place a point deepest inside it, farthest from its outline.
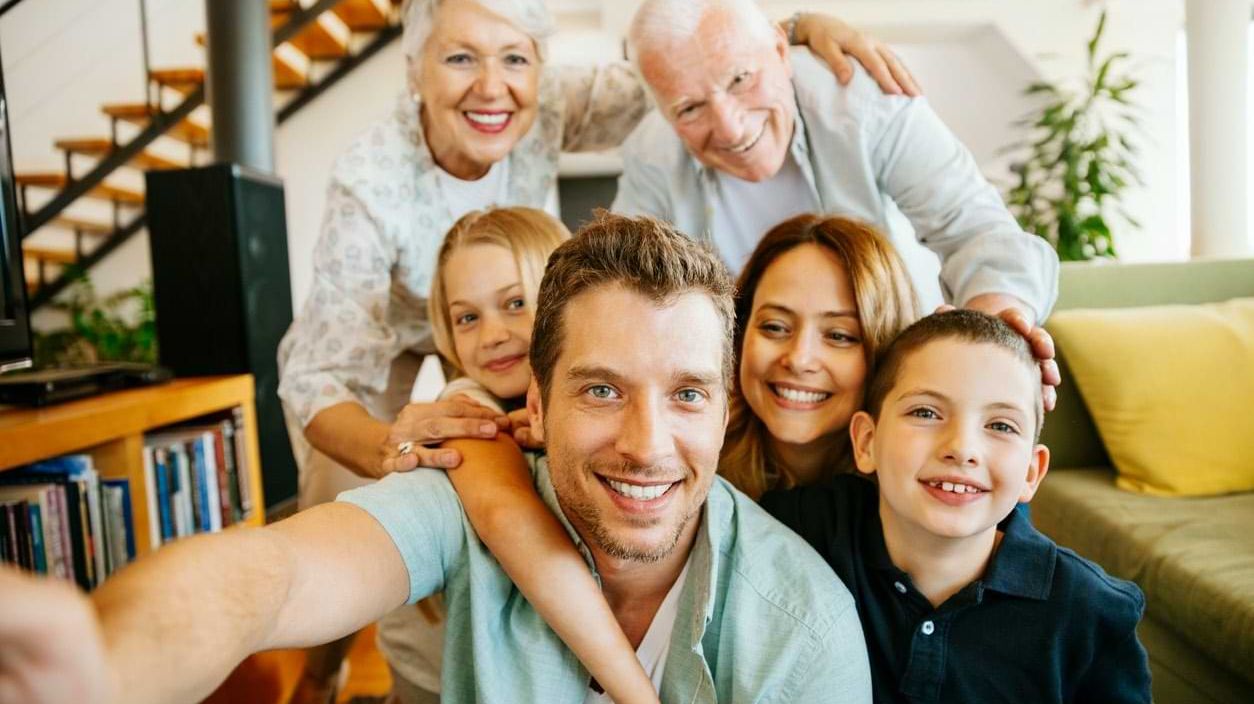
(111, 428)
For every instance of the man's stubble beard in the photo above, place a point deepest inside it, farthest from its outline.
(584, 512)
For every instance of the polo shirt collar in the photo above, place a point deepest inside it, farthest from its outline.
(697, 609)
(1025, 560)
(1023, 565)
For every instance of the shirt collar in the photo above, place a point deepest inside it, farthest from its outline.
(1023, 565)
(696, 606)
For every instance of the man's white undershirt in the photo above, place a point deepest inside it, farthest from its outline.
(745, 210)
(465, 196)
(657, 640)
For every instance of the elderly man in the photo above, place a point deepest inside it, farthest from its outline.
(748, 133)
(632, 359)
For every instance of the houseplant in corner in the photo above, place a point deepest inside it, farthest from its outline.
(121, 327)
(1077, 160)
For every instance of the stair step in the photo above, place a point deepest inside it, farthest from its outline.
(87, 227)
(325, 38)
(101, 146)
(290, 65)
(52, 256)
(190, 130)
(56, 180)
(183, 80)
(363, 15)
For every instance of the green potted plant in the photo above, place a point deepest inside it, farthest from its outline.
(1077, 161)
(118, 328)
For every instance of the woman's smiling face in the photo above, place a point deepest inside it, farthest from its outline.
(479, 78)
(803, 367)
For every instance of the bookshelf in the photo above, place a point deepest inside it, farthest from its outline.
(111, 428)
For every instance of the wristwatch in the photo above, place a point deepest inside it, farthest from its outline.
(790, 28)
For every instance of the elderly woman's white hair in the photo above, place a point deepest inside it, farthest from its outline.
(530, 16)
(661, 23)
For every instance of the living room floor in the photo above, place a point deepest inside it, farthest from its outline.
(270, 677)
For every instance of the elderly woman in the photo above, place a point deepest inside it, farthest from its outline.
(482, 123)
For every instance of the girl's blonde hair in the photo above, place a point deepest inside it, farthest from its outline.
(886, 305)
(530, 234)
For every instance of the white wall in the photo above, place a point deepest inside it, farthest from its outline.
(972, 57)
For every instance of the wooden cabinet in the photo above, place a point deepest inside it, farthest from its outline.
(111, 428)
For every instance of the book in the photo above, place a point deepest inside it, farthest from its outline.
(114, 494)
(196, 494)
(162, 470)
(207, 459)
(242, 462)
(224, 478)
(150, 489)
(120, 490)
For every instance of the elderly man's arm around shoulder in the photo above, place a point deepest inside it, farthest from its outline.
(173, 625)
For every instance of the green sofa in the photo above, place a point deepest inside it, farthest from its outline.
(1193, 557)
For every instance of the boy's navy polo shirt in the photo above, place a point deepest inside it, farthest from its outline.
(1042, 625)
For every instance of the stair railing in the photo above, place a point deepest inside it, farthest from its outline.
(159, 122)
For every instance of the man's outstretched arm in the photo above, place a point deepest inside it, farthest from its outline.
(176, 623)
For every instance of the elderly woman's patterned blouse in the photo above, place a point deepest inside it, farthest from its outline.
(383, 225)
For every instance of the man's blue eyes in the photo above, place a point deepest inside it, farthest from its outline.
(604, 392)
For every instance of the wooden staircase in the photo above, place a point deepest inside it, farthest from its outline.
(334, 36)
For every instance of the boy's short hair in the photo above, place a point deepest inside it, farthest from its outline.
(641, 254)
(964, 325)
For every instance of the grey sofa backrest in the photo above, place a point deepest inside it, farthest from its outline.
(1069, 432)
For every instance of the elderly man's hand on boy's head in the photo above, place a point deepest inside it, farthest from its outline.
(1019, 316)
(419, 426)
(51, 649)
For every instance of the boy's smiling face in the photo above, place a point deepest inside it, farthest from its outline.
(953, 448)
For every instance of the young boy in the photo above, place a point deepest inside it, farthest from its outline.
(961, 599)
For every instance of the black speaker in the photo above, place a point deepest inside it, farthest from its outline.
(223, 299)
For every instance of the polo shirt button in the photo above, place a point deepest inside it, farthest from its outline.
(928, 628)
(899, 587)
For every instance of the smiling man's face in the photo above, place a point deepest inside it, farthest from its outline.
(634, 419)
(728, 93)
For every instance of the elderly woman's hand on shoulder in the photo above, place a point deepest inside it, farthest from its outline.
(413, 440)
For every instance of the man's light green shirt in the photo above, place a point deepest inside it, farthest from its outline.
(761, 616)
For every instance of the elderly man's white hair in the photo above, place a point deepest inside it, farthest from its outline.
(530, 16)
(663, 23)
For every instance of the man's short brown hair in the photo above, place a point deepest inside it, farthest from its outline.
(642, 254)
(964, 325)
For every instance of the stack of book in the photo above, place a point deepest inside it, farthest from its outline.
(57, 517)
(197, 478)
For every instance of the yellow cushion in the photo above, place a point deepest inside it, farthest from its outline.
(1171, 390)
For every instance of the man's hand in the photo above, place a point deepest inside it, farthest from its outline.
(51, 650)
(831, 39)
(1019, 316)
(425, 424)
(520, 428)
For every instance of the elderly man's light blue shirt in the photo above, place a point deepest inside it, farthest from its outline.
(761, 616)
(863, 152)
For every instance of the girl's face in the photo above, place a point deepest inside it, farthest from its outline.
(490, 317)
(802, 364)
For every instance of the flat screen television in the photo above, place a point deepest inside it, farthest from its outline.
(15, 338)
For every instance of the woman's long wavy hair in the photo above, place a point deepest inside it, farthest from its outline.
(886, 305)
